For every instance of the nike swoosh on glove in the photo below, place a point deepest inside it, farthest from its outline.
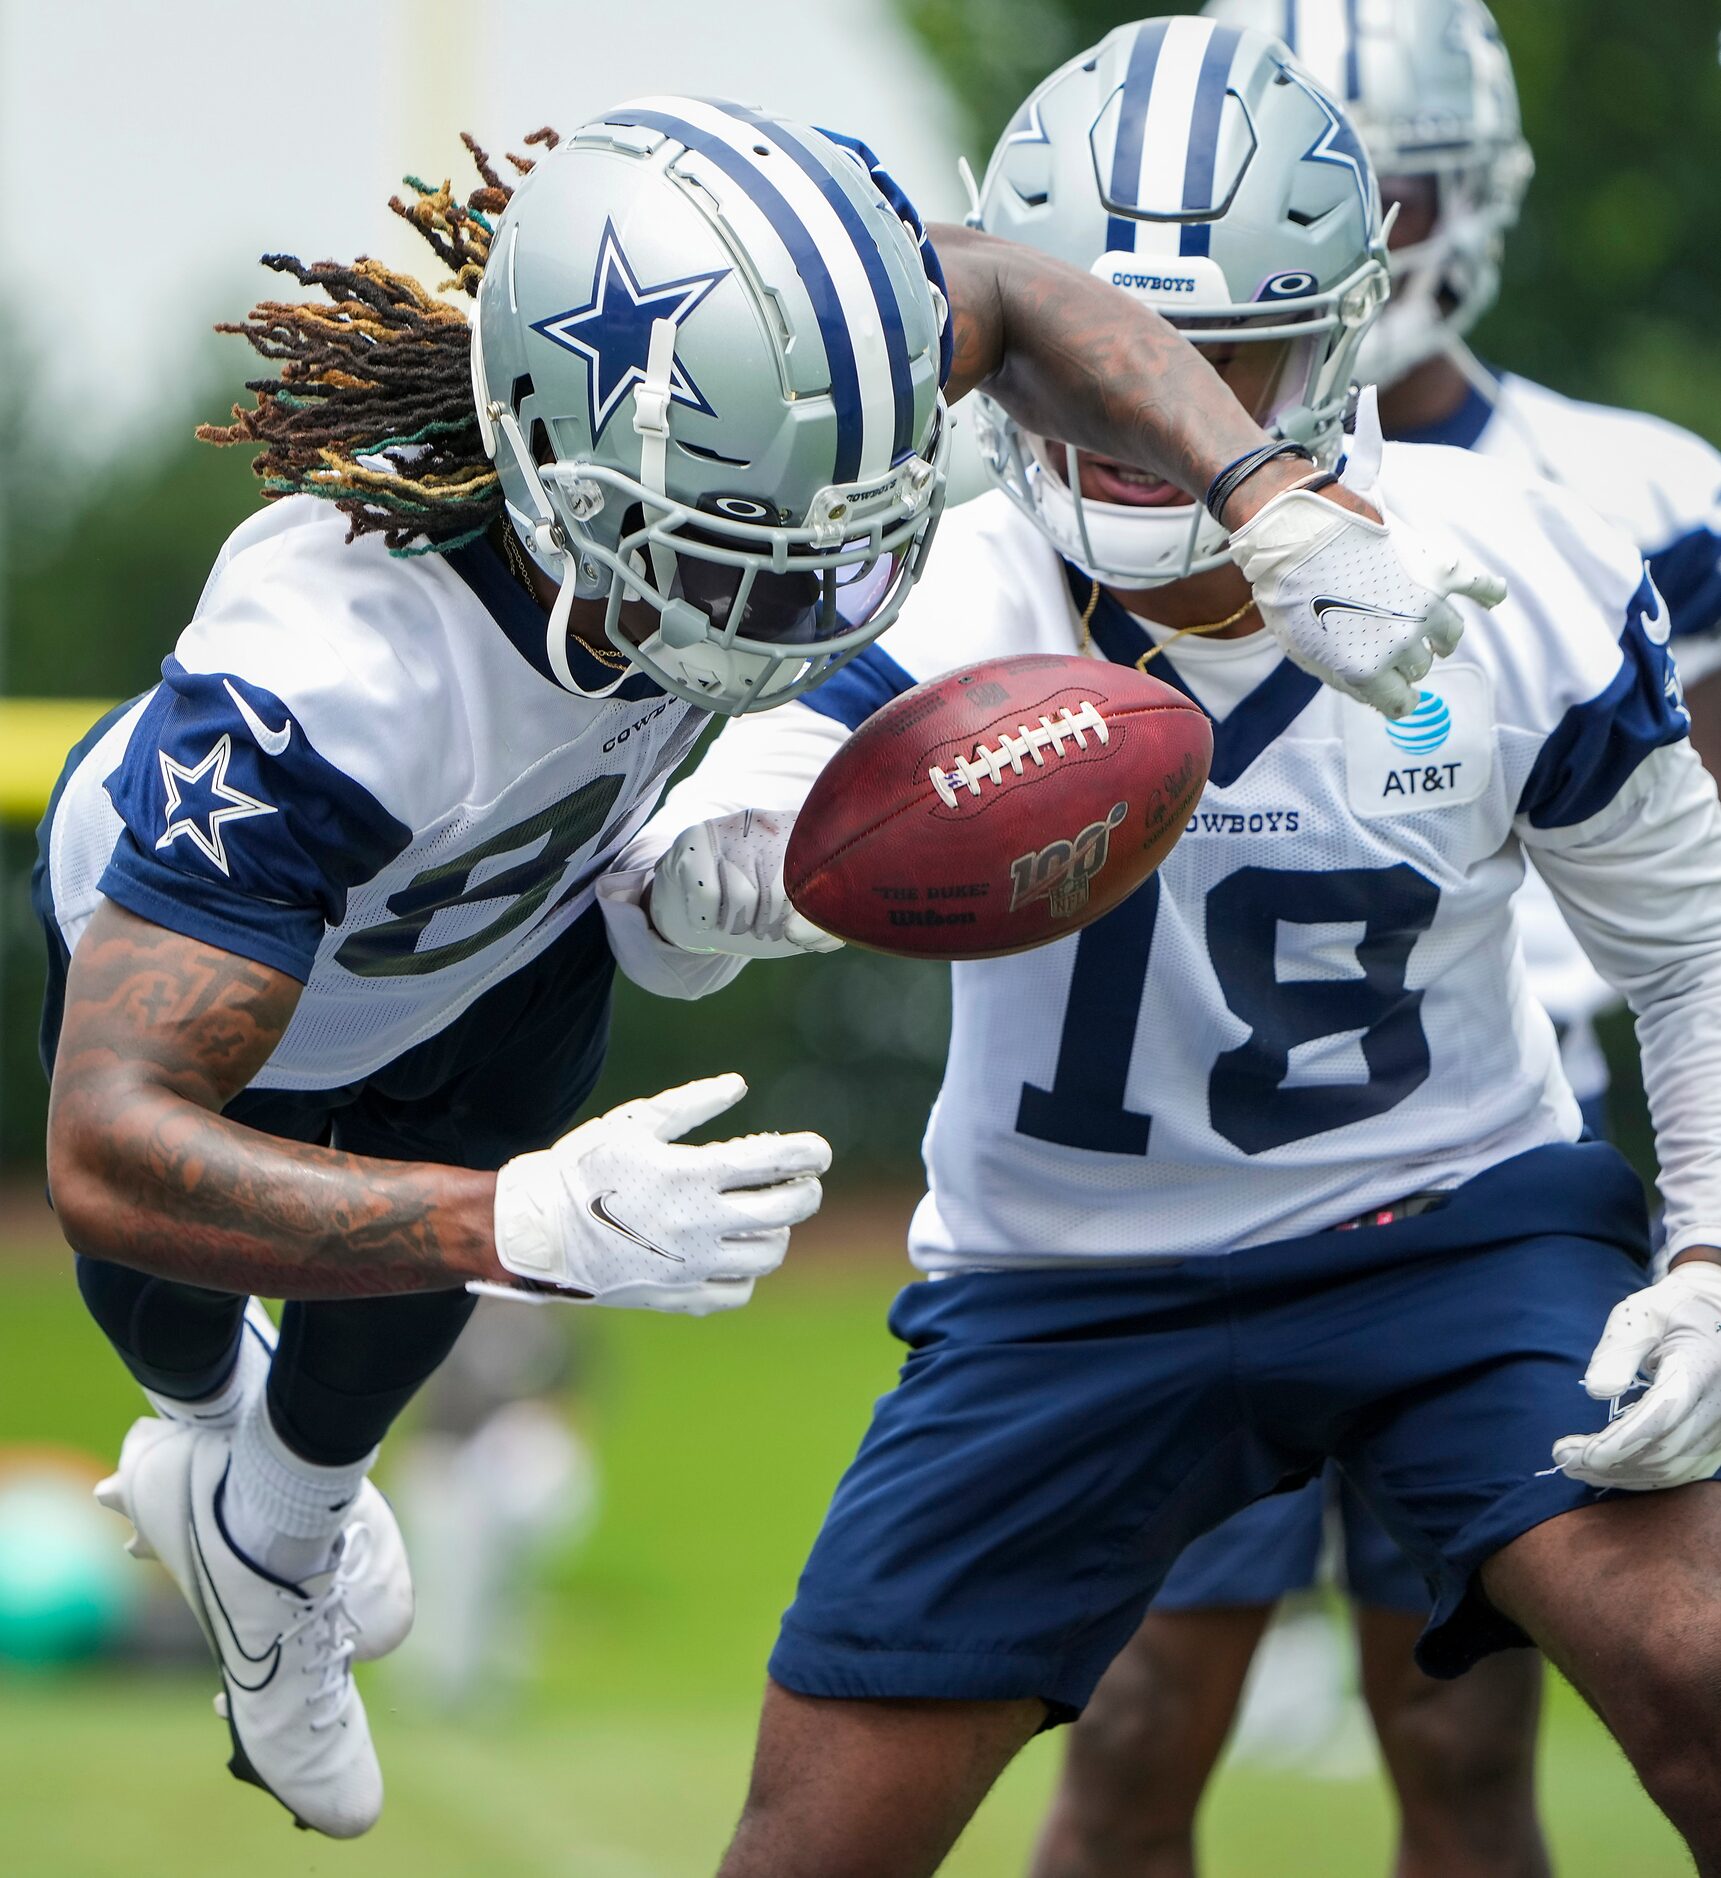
(1363, 605)
(1670, 1334)
(621, 1212)
(720, 888)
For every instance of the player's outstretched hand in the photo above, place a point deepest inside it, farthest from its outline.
(621, 1212)
(1669, 1333)
(720, 889)
(1362, 604)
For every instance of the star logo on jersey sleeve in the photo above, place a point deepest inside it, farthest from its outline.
(200, 799)
(612, 331)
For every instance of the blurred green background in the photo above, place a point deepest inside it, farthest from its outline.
(626, 1752)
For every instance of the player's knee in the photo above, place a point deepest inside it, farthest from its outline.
(1129, 1755)
(1140, 1702)
(1475, 1747)
(1669, 1722)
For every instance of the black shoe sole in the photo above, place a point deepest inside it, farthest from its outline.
(239, 1766)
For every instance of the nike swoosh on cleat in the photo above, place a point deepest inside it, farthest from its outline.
(270, 742)
(1325, 603)
(598, 1207)
(212, 1601)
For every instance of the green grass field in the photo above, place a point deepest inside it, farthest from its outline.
(626, 1756)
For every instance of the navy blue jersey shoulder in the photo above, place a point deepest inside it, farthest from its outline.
(1687, 574)
(1594, 749)
(867, 683)
(238, 832)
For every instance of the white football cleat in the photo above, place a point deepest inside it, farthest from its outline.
(285, 1651)
(381, 1603)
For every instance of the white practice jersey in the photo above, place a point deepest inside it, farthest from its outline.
(1663, 486)
(1318, 1005)
(358, 769)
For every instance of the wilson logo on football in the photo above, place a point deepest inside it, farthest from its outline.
(1061, 873)
(989, 762)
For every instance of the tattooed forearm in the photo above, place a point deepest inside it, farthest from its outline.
(1075, 359)
(160, 1032)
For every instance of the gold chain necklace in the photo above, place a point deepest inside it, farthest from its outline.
(515, 557)
(1153, 651)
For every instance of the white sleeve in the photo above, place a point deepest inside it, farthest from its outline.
(769, 760)
(1640, 885)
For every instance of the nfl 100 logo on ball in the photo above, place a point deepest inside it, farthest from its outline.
(998, 808)
(1060, 873)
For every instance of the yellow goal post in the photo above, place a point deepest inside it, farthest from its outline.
(35, 734)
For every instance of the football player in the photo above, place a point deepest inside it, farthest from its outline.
(328, 979)
(1275, 1164)
(1429, 86)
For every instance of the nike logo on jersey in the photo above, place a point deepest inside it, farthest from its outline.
(1325, 603)
(270, 742)
(598, 1207)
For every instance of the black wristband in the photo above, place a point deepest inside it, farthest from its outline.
(1234, 475)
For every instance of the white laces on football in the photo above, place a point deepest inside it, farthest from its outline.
(967, 772)
(329, 1627)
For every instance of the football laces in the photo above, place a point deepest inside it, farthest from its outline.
(989, 762)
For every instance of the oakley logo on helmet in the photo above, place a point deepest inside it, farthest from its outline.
(1288, 286)
(612, 331)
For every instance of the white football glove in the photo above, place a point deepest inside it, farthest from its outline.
(1363, 605)
(618, 1212)
(1670, 1334)
(720, 889)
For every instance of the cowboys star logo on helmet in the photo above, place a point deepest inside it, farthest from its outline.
(741, 430)
(613, 329)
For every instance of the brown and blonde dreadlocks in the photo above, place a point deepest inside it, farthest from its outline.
(373, 406)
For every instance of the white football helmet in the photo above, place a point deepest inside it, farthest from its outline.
(706, 360)
(1192, 165)
(1429, 86)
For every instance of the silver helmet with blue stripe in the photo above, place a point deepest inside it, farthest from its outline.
(1190, 164)
(1429, 86)
(706, 354)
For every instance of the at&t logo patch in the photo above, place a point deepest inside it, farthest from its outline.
(1425, 729)
(1440, 756)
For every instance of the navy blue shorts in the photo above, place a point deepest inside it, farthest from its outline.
(1058, 1437)
(1275, 1547)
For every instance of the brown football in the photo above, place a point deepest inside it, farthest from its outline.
(999, 807)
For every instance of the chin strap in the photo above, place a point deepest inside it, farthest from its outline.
(1366, 446)
(681, 625)
(500, 428)
(651, 399)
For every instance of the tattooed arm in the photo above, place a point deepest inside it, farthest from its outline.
(160, 1033)
(1077, 359)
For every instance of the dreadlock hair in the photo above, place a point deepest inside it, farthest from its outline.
(372, 409)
